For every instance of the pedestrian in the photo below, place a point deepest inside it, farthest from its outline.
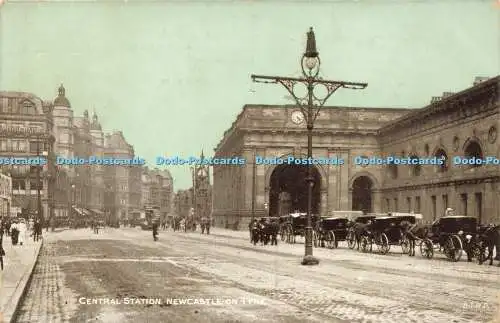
(2, 251)
(22, 231)
(14, 232)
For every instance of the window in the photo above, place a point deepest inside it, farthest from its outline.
(392, 171)
(415, 169)
(36, 185)
(35, 147)
(27, 108)
(387, 205)
(417, 204)
(123, 202)
(445, 202)
(479, 207)
(3, 145)
(408, 204)
(18, 184)
(396, 204)
(434, 209)
(473, 150)
(463, 198)
(441, 155)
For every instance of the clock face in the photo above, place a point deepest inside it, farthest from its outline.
(297, 117)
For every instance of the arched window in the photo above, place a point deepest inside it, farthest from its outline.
(415, 167)
(474, 150)
(441, 154)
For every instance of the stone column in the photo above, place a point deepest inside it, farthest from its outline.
(343, 190)
(332, 183)
(490, 202)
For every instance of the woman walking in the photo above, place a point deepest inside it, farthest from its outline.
(22, 231)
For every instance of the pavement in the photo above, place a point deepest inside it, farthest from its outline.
(19, 263)
(265, 283)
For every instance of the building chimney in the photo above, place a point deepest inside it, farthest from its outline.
(435, 99)
(479, 79)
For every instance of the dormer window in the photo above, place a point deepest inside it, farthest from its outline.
(27, 108)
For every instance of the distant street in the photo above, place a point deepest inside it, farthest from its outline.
(77, 266)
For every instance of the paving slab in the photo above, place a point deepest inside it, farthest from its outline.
(19, 263)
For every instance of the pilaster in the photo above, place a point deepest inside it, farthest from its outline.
(376, 201)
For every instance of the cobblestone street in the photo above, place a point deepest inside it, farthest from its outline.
(347, 286)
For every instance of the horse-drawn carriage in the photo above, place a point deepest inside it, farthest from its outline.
(385, 232)
(451, 234)
(294, 225)
(330, 231)
(352, 238)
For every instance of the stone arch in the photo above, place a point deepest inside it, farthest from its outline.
(320, 168)
(438, 151)
(374, 180)
(472, 140)
(363, 188)
(323, 179)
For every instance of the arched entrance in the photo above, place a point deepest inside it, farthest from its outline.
(362, 199)
(288, 190)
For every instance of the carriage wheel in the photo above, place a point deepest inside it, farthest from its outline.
(366, 244)
(383, 244)
(427, 248)
(351, 239)
(453, 248)
(330, 242)
(405, 245)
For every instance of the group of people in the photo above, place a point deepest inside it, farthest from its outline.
(17, 229)
(264, 231)
(180, 224)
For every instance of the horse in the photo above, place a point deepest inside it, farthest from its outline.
(486, 239)
(414, 232)
(360, 230)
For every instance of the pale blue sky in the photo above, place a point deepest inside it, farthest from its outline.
(174, 75)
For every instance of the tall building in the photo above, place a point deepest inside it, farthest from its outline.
(63, 131)
(122, 183)
(454, 125)
(183, 202)
(5, 195)
(26, 131)
(30, 127)
(157, 190)
(97, 172)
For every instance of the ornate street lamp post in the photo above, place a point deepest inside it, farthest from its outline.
(310, 106)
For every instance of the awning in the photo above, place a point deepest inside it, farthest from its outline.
(82, 211)
(78, 210)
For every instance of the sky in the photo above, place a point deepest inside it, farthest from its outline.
(173, 75)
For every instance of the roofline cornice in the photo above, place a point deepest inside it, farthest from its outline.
(458, 99)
